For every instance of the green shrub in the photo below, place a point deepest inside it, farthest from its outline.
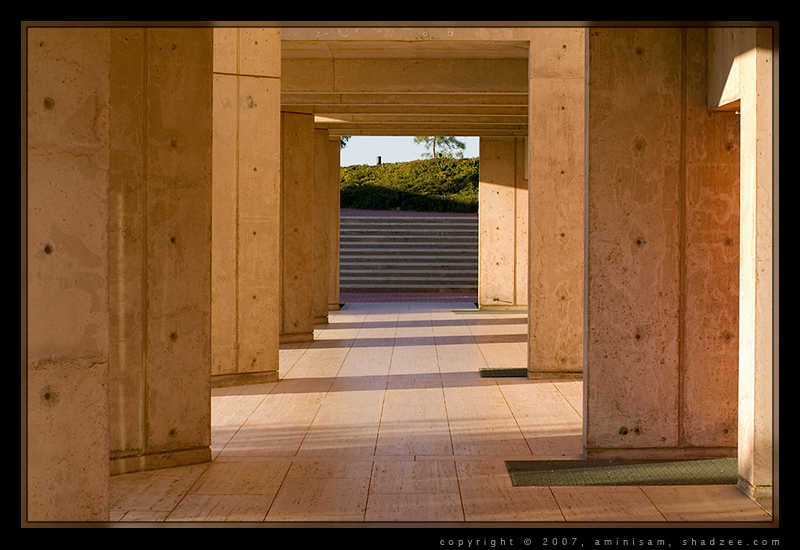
(431, 185)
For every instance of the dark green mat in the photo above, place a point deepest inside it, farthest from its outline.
(555, 473)
(504, 373)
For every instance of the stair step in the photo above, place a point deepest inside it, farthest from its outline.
(407, 254)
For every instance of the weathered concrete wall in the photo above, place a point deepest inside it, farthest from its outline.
(297, 227)
(160, 247)
(503, 221)
(756, 344)
(661, 364)
(556, 203)
(67, 304)
(246, 206)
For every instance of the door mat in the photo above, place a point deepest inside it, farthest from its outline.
(505, 373)
(559, 473)
(489, 312)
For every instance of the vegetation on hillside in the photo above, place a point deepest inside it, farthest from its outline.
(431, 185)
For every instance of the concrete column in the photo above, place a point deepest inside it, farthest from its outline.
(322, 226)
(246, 206)
(556, 203)
(756, 275)
(662, 286)
(334, 158)
(160, 248)
(297, 227)
(67, 266)
(503, 220)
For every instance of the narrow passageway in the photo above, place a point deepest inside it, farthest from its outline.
(385, 418)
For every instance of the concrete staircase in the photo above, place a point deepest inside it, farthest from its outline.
(408, 254)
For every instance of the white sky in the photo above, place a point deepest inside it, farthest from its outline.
(367, 149)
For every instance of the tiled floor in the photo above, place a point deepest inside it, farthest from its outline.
(384, 418)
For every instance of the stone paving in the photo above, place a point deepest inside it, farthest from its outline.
(384, 419)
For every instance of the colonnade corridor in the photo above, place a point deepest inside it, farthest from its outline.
(385, 417)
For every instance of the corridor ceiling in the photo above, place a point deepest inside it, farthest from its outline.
(408, 81)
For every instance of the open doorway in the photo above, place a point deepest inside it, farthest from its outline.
(409, 219)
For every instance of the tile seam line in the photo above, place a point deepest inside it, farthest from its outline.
(280, 486)
(651, 502)
(241, 425)
(514, 416)
(246, 75)
(206, 466)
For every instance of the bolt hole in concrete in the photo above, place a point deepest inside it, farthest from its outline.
(48, 249)
(49, 397)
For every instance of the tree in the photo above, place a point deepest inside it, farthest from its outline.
(448, 146)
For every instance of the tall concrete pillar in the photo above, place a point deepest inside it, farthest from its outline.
(322, 225)
(297, 227)
(756, 298)
(662, 288)
(503, 221)
(334, 160)
(67, 267)
(556, 203)
(160, 248)
(246, 206)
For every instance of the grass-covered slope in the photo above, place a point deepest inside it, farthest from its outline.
(431, 185)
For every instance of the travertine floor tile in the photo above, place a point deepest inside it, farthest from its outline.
(414, 419)
(414, 507)
(459, 354)
(705, 503)
(428, 477)
(606, 504)
(330, 468)
(229, 406)
(277, 427)
(348, 419)
(550, 425)
(242, 478)
(572, 390)
(488, 495)
(481, 421)
(222, 508)
(145, 516)
(320, 499)
(155, 490)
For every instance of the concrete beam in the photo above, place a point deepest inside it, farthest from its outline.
(446, 99)
(410, 96)
(382, 40)
(472, 76)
